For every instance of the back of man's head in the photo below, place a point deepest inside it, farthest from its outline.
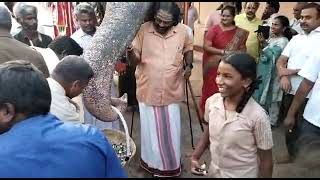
(24, 87)
(72, 68)
(5, 18)
(64, 46)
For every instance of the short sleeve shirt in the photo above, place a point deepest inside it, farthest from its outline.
(159, 75)
(298, 50)
(252, 41)
(311, 71)
(235, 138)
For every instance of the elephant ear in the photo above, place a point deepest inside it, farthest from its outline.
(120, 24)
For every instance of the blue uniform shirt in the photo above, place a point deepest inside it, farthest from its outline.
(44, 146)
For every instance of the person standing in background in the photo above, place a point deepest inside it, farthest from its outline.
(249, 21)
(27, 16)
(221, 40)
(269, 94)
(192, 15)
(295, 21)
(12, 49)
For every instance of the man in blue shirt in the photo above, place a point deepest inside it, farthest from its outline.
(35, 143)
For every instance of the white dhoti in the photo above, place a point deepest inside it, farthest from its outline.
(160, 139)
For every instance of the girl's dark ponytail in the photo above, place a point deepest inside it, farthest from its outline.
(246, 96)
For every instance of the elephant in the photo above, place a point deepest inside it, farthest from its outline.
(118, 28)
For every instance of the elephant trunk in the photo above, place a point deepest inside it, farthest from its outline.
(121, 22)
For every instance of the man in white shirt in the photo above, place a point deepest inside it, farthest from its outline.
(295, 21)
(68, 79)
(86, 19)
(310, 126)
(293, 58)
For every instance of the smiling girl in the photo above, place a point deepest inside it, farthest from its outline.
(238, 130)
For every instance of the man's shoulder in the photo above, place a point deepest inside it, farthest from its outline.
(22, 48)
(83, 131)
(77, 34)
(299, 37)
(146, 25)
(241, 16)
(45, 37)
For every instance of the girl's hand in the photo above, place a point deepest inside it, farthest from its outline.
(196, 169)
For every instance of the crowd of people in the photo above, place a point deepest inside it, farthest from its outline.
(258, 73)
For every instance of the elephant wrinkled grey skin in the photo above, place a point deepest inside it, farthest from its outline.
(120, 24)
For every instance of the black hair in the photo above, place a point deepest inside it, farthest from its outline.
(5, 18)
(100, 10)
(286, 25)
(238, 7)
(25, 87)
(313, 5)
(275, 5)
(246, 65)
(170, 7)
(66, 44)
(151, 12)
(72, 68)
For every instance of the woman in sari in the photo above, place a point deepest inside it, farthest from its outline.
(222, 39)
(269, 94)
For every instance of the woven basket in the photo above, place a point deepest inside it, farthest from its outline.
(117, 137)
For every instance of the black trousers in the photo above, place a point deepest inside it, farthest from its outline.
(127, 84)
(291, 137)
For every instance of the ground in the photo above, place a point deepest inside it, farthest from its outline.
(279, 150)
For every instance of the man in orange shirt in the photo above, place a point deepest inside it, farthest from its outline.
(158, 50)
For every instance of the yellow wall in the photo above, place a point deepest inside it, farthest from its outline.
(207, 7)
